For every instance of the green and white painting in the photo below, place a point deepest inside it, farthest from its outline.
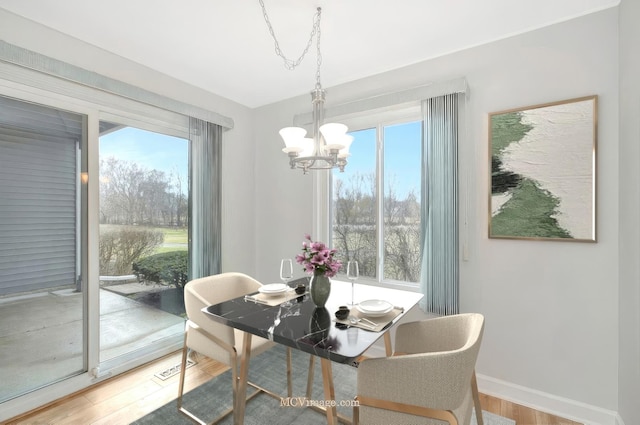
(543, 171)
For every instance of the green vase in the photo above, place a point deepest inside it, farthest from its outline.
(320, 288)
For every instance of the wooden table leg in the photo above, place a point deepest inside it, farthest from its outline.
(329, 392)
(289, 372)
(242, 384)
(311, 371)
(387, 344)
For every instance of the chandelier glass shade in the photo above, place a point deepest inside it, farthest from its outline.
(327, 148)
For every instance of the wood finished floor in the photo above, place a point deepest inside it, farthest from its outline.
(127, 397)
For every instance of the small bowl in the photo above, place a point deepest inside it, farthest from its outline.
(300, 289)
(342, 312)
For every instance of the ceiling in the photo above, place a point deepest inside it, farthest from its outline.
(224, 46)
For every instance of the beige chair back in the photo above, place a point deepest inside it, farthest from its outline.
(433, 367)
(202, 292)
(218, 341)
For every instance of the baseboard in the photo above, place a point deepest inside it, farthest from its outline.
(549, 403)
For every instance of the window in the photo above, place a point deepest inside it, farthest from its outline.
(375, 202)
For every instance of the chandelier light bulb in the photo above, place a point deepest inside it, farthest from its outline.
(307, 146)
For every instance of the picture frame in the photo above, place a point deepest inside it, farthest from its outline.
(542, 162)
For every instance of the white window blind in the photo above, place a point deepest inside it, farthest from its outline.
(38, 196)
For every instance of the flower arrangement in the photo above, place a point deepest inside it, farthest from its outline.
(317, 258)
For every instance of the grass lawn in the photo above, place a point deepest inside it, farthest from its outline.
(174, 239)
(173, 235)
(163, 249)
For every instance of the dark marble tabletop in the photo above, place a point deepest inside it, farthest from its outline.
(298, 323)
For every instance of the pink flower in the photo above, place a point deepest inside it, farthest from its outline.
(318, 246)
(316, 257)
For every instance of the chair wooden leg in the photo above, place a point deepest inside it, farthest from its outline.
(476, 399)
(410, 409)
(183, 371)
(183, 367)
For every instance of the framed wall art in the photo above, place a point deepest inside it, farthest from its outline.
(543, 171)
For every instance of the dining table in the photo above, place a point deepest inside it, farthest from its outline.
(293, 320)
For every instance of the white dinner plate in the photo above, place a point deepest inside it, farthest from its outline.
(374, 308)
(273, 289)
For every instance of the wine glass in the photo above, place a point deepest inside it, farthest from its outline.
(286, 270)
(352, 274)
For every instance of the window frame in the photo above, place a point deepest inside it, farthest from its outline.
(323, 185)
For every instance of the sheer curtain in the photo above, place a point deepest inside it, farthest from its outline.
(205, 197)
(440, 273)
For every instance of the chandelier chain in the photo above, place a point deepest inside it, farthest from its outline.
(291, 64)
(318, 55)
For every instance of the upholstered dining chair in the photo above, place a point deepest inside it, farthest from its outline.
(430, 378)
(215, 340)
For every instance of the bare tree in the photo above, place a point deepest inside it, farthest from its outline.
(120, 190)
(131, 194)
(402, 239)
(178, 199)
(354, 228)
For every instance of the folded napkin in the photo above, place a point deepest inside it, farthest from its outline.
(272, 300)
(375, 324)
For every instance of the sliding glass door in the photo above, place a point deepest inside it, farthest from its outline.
(42, 239)
(143, 250)
(56, 325)
(94, 250)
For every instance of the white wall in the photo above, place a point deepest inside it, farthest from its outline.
(629, 179)
(551, 308)
(284, 198)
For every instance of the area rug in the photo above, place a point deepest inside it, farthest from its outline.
(268, 370)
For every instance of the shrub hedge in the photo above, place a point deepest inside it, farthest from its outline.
(167, 268)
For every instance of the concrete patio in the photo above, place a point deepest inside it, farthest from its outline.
(41, 334)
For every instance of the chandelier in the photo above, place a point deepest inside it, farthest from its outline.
(328, 146)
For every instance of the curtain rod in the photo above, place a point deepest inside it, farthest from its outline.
(414, 94)
(25, 58)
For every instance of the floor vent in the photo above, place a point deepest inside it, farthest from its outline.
(173, 370)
